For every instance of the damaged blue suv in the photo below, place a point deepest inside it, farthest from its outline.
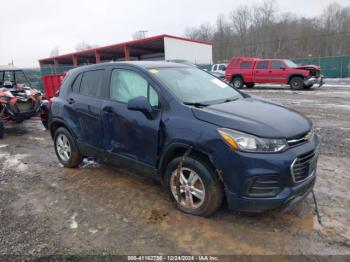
(201, 138)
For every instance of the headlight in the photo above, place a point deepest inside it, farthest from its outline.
(249, 143)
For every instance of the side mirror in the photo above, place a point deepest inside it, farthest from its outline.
(283, 67)
(141, 104)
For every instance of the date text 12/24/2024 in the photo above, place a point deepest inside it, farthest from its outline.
(173, 258)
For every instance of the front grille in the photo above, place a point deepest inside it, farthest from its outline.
(304, 166)
(24, 106)
(263, 186)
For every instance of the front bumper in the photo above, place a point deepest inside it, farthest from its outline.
(314, 80)
(287, 198)
(240, 171)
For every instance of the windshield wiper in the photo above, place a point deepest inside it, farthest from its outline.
(227, 100)
(196, 104)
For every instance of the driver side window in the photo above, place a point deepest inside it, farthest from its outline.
(126, 84)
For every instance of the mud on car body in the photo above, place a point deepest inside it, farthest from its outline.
(18, 100)
(201, 138)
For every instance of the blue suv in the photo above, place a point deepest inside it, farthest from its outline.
(201, 138)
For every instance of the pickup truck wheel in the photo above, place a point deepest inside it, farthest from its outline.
(237, 82)
(200, 191)
(66, 148)
(250, 85)
(2, 129)
(296, 83)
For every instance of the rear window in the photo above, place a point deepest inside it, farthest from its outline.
(246, 65)
(91, 83)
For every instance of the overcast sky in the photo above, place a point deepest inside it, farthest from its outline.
(31, 29)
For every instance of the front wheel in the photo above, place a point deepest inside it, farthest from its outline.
(296, 83)
(66, 148)
(197, 190)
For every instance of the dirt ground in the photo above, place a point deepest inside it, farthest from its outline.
(46, 209)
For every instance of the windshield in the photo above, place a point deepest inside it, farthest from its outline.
(192, 85)
(290, 63)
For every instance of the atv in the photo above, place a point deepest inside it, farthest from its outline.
(18, 100)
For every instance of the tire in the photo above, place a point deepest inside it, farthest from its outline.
(296, 83)
(2, 129)
(250, 85)
(207, 182)
(237, 82)
(72, 159)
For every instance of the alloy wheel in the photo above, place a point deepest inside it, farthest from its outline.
(237, 83)
(192, 189)
(63, 147)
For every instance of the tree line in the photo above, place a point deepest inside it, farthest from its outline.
(261, 31)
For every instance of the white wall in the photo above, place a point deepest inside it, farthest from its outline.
(196, 53)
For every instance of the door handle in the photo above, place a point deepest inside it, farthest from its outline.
(108, 110)
(71, 101)
(270, 71)
(257, 71)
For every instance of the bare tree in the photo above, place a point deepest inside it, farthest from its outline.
(84, 46)
(55, 51)
(204, 32)
(260, 31)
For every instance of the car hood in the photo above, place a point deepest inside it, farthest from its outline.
(308, 67)
(257, 117)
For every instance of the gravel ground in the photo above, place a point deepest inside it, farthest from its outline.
(46, 209)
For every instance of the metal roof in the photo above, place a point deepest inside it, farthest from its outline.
(139, 46)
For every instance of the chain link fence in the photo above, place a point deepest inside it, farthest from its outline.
(331, 66)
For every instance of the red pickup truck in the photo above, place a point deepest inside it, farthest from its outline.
(248, 71)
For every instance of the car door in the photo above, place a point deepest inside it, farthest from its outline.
(131, 136)
(86, 101)
(261, 72)
(278, 73)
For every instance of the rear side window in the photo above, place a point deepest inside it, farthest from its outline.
(76, 84)
(246, 65)
(262, 65)
(91, 83)
(276, 65)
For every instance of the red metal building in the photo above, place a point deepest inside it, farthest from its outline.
(161, 47)
(152, 48)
